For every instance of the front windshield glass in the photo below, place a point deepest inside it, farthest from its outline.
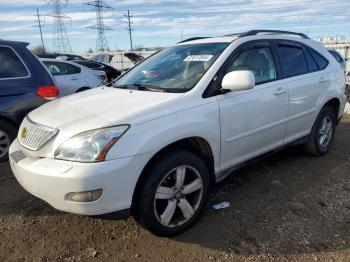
(176, 69)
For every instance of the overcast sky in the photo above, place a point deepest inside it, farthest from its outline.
(164, 22)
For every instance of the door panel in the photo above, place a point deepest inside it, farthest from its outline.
(252, 122)
(304, 93)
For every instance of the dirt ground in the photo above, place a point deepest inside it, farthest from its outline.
(287, 207)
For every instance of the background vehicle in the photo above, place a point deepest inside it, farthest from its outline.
(156, 140)
(67, 57)
(72, 77)
(110, 71)
(337, 57)
(25, 84)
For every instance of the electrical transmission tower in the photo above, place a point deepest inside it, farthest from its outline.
(60, 41)
(129, 29)
(99, 7)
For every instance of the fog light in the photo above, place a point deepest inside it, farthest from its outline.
(87, 196)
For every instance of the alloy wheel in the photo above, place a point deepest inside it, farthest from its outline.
(178, 196)
(325, 131)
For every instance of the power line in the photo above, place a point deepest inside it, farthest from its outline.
(60, 39)
(100, 6)
(41, 33)
(129, 29)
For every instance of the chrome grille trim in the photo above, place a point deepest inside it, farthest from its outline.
(37, 135)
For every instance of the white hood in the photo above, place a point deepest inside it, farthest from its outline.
(96, 108)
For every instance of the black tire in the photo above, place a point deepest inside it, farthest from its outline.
(313, 146)
(145, 213)
(8, 131)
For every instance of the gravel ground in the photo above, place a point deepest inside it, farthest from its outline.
(287, 207)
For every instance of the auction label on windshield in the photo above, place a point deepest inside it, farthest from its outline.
(203, 58)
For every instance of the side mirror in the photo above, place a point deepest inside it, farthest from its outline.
(238, 80)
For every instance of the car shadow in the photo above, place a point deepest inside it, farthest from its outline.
(287, 203)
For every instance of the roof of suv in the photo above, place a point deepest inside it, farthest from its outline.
(8, 42)
(232, 37)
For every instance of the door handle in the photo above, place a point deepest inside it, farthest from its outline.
(280, 91)
(323, 80)
(74, 78)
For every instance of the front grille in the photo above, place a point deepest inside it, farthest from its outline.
(34, 136)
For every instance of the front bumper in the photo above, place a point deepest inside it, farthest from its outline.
(51, 179)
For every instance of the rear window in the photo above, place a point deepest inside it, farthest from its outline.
(293, 60)
(11, 64)
(320, 60)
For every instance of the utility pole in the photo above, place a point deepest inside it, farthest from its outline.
(128, 17)
(41, 33)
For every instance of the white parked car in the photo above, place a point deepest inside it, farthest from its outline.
(155, 142)
(72, 77)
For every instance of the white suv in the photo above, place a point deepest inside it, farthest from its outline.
(154, 142)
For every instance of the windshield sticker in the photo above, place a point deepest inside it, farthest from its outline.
(203, 58)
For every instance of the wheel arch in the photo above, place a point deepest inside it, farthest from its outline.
(333, 103)
(197, 145)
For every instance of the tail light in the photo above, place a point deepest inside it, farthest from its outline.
(48, 92)
(103, 77)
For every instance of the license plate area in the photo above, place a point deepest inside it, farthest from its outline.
(17, 156)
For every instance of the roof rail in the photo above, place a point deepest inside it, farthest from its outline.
(277, 32)
(192, 39)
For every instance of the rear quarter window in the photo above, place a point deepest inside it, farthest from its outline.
(320, 60)
(11, 64)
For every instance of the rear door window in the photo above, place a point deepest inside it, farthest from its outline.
(58, 68)
(313, 67)
(293, 60)
(11, 65)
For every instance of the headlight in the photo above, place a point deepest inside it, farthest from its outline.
(90, 146)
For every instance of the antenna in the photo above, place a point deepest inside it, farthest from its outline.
(99, 7)
(128, 17)
(60, 39)
(41, 33)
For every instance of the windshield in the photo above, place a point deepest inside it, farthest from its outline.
(176, 69)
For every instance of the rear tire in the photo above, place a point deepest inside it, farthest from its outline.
(8, 133)
(173, 194)
(322, 133)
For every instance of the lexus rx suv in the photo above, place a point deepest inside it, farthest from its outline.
(154, 142)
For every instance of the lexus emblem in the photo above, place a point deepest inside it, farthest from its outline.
(24, 132)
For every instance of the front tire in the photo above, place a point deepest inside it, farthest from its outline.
(174, 194)
(7, 135)
(322, 133)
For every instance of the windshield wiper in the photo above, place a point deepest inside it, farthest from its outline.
(141, 87)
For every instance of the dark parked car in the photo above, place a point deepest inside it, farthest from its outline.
(25, 84)
(67, 57)
(337, 57)
(111, 72)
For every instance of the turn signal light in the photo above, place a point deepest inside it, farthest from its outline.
(48, 92)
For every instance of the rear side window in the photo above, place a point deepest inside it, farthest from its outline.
(11, 65)
(320, 60)
(58, 68)
(293, 60)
